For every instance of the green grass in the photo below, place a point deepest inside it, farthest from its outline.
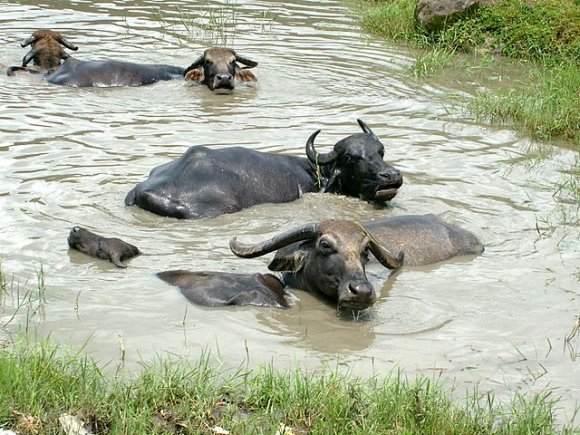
(544, 33)
(547, 107)
(430, 62)
(206, 24)
(40, 383)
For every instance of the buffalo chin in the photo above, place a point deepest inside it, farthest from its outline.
(383, 195)
(354, 305)
(223, 90)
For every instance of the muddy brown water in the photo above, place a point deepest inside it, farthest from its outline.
(68, 156)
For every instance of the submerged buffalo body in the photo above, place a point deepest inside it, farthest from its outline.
(329, 259)
(111, 249)
(425, 239)
(217, 289)
(46, 51)
(205, 183)
(108, 73)
(218, 68)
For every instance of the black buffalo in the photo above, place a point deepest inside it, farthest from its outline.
(46, 51)
(217, 67)
(218, 289)
(205, 183)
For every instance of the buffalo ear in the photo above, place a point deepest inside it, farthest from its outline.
(195, 75)
(246, 76)
(198, 62)
(288, 260)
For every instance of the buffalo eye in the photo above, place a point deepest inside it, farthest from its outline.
(382, 152)
(364, 255)
(325, 247)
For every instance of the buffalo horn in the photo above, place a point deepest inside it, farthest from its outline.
(28, 41)
(365, 127)
(29, 56)
(249, 63)
(314, 156)
(198, 62)
(67, 44)
(305, 232)
(387, 259)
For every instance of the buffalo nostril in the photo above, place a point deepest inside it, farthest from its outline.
(390, 175)
(353, 288)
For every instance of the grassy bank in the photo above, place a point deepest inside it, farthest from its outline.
(543, 33)
(38, 385)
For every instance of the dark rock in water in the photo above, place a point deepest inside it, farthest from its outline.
(111, 249)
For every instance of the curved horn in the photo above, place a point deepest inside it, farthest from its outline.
(365, 127)
(243, 60)
(196, 64)
(387, 259)
(29, 56)
(28, 41)
(305, 232)
(314, 156)
(67, 44)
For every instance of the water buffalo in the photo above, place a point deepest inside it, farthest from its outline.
(206, 183)
(218, 289)
(425, 239)
(326, 258)
(329, 258)
(111, 249)
(46, 51)
(217, 68)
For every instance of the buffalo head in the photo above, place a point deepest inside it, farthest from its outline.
(355, 167)
(46, 51)
(218, 68)
(328, 258)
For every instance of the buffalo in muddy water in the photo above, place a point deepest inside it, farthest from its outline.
(206, 183)
(218, 68)
(329, 259)
(332, 265)
(217, 289)
(46, 51)
(326, 258)
(111, 249)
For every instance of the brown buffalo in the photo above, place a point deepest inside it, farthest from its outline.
(46, 50)
(327, 258)
(218, 68)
